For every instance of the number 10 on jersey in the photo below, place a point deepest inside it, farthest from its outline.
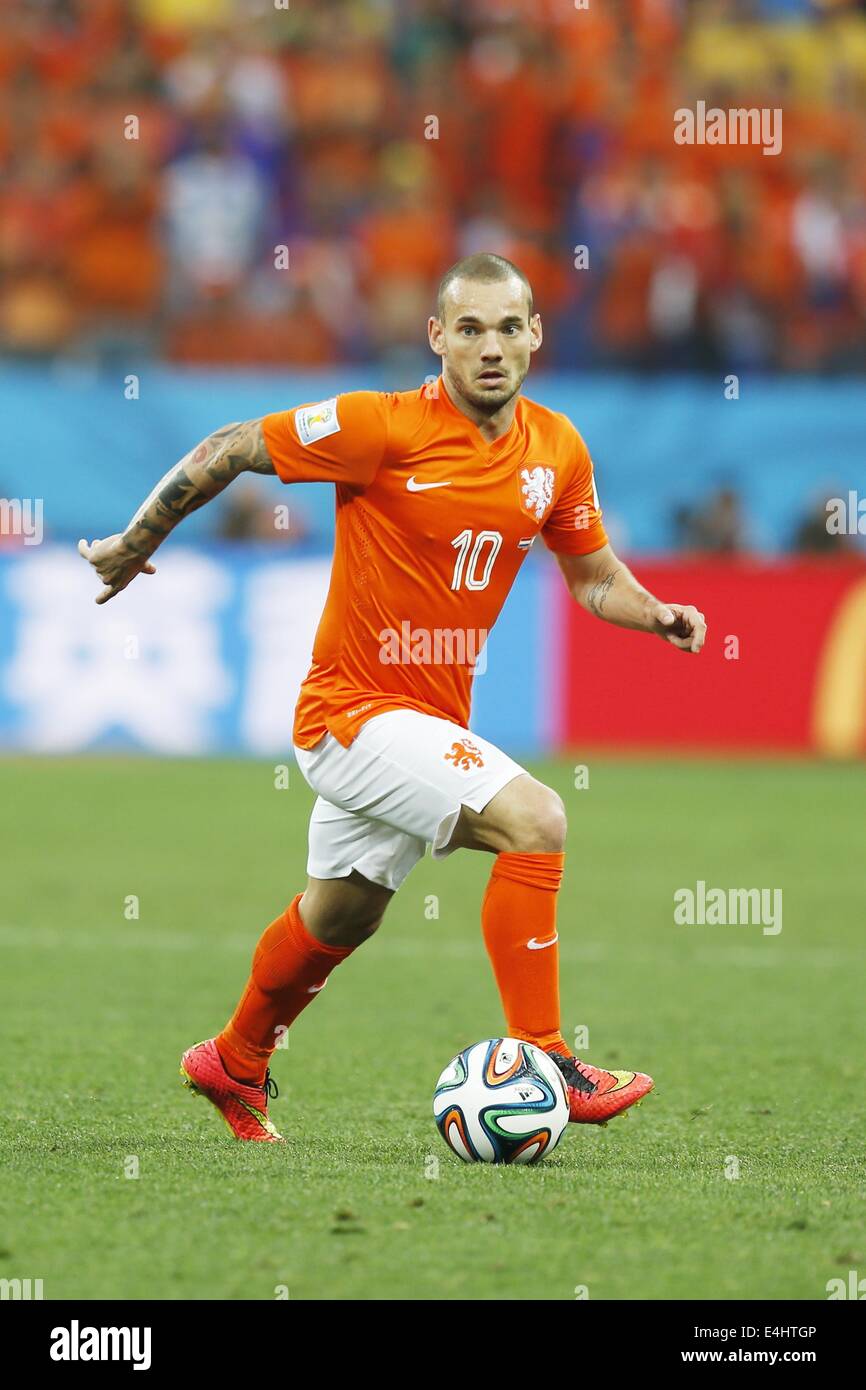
(489, 541)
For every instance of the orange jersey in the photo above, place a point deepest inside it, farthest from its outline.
(433, 524)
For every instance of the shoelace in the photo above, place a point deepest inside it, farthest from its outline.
(270, 1087)
(574, 1073)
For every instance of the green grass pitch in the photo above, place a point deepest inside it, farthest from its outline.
(756, 1043)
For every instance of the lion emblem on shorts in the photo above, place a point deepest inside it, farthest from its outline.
(537, 487)
(464, 755)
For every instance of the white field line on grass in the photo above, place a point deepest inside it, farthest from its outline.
(761, 955)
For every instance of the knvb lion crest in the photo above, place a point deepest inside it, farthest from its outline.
(465, 755)
(536, 485)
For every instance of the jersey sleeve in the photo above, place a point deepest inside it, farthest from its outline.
(574, 526)
(341, 440)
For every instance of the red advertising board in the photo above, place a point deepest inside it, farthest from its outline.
(784, 666)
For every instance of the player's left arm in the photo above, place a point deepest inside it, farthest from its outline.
(606, 587)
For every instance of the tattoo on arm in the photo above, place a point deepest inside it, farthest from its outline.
(201, 475)
(596, 596)
(233, 449)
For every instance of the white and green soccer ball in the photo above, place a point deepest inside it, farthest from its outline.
(501, 1101)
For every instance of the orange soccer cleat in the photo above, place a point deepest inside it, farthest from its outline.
(594, 1095)
(243, 1106)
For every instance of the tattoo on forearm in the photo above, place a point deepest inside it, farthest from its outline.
(596, 596)
(203, 473)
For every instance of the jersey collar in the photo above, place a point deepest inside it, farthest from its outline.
(488, 451)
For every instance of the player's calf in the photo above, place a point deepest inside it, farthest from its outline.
(343, 911)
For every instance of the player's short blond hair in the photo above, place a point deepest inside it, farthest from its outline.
(486, 267)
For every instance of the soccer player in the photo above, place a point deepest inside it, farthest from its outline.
(440, 492)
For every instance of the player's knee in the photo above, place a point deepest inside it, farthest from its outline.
(540, 826)
(341, 923)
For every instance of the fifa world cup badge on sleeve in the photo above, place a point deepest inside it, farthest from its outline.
(314, 422)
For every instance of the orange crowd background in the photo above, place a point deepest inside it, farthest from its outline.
(157, 156)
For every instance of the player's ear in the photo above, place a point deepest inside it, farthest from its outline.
(536, 336)
(436, 335)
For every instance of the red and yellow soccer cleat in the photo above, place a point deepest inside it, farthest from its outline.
(244, 1107)
(594, 1095)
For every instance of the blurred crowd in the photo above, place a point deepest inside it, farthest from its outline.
(718, 525)
(264, 182)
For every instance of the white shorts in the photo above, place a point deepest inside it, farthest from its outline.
(398, 787)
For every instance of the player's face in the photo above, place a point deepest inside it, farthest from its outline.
(486, 341)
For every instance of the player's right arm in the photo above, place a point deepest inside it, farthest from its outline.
(201, 475)
(342, 440)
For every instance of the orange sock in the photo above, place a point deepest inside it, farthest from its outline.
(290, 967)
(518, 919)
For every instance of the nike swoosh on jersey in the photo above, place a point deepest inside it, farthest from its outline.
(534, 945)
(412, 486)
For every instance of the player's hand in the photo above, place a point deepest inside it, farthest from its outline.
(682, 626)
(115, 564)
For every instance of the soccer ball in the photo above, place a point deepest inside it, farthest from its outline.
(501, 1101)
